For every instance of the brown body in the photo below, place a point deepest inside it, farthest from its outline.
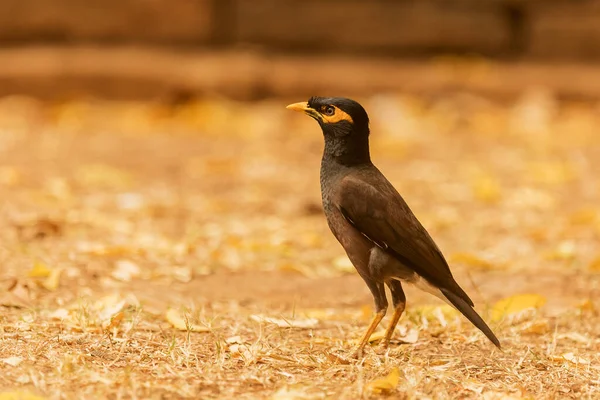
(380, 234)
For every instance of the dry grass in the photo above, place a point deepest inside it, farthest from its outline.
(113, 214)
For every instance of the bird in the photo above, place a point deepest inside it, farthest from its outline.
(382, 237)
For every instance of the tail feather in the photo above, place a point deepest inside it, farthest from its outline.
(468, 311)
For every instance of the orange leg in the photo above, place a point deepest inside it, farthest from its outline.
(399, 302)
(392, 326)
(381, 304)
(365, 339)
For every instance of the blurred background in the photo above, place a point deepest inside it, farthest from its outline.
(251, 50)
(148, 164)
(155, 132)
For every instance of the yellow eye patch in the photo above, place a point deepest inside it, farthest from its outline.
(337, 116)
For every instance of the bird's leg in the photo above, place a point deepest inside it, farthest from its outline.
(399, 302)
(378, 291)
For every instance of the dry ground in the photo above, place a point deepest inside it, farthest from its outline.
(170, 252)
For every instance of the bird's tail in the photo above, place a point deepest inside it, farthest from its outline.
(468, 311)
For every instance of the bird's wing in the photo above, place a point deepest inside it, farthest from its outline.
(376, 209)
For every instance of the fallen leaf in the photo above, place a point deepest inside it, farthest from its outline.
(385, 385)
(115, 320)
(17, 295)
(52, 282)
(39, 270)
(287, 323)
(486, 189)
(587, 306)
(343, 264)
(516, 304)
(101, 175)
(492, 395)
(572, 358)
(110, 311)
(379, 335)
(59, 314)
(298, 268)
(19, 395)
(539, 327)
(38, 228)
(234, 339)
(182, 274)
(433, 313)
(595, 265)
(412, 336)
(182, 323)
(125, 271)
(473, 261)
(241, 350)
(564, 252)
(337, 359)
(551, 173)
(287, 393)
(574, 336)
(12, 361)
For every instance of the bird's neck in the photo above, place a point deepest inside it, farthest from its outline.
(346, 150)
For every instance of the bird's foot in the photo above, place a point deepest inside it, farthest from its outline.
(383, 347)
(357, 354)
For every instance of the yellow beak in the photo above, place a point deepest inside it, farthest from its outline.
(300, 107)
(303, 107)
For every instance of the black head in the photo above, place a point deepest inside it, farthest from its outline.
(345, 125)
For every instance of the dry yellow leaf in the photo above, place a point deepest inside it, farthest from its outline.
(16, 294)
(104, 176)
(126, 270)
(324, 314)
(536, 327)
(585, 216)
(287, 323)
(572, 358)
(406, 336)
(587, 306)
(12, 361)
(344, 264)
(552, 173)
(298, 268)
(53, 280)
(52, 276)
(492, 395)
(565, 251)
(115, 320)
(472, 260)
(385, 385)
(19, 395)
(39, 270)
(182, 323)
(595, 265)
(486, 189)
(412, 336)
(516, 304)
(292, 393)
(435, 312)
(575, 336)
(376, 336)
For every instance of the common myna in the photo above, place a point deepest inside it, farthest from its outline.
(381, 236)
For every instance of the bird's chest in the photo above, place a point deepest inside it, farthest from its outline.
(358, 248)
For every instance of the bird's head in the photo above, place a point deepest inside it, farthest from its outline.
(336, 115)
(345, 125)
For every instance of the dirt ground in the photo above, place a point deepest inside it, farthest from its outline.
(152, 251)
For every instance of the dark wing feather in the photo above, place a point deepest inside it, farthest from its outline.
(374, 207)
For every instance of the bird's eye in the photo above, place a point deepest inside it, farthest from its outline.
(329, 110)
